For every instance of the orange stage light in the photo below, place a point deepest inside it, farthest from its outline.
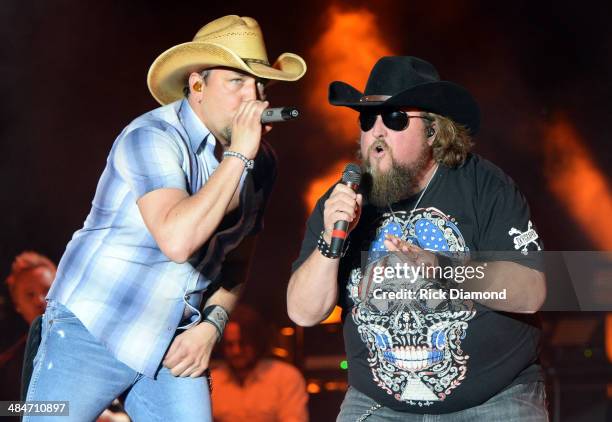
(313, 388)
(608, 335)
(577, 183)
(335, 317)
(346, 51)
(320, 185)
(287, 331)
(280, 352)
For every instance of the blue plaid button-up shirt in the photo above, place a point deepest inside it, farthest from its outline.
(113, 276)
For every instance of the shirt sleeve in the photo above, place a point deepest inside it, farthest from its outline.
(148, 159)
(506, 230)
(314, 225)
(264, 178)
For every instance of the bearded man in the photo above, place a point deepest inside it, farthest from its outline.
(427, 201)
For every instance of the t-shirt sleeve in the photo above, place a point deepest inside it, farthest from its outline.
(506, 227)
(148, 159)
(314, 225)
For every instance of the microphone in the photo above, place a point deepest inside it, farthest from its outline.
(351, 177)
(279, 114)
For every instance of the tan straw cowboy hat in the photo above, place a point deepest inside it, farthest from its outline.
(231, 41)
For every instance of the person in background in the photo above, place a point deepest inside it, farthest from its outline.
(29, 281)
(28, 284)
(251, 386)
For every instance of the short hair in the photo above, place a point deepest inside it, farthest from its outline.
(27, 261)
(453, 141)
(204, 74)
(254, 330)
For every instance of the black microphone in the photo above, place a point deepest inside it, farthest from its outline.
(351, 177)
(279, 114)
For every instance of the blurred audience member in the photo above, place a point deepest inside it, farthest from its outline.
(251, 386)
(28, 283)
(30, 279)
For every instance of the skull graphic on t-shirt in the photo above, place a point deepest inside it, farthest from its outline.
(414, 342)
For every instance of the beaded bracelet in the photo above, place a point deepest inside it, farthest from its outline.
(248, 164)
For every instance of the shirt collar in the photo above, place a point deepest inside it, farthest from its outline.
(199, 135)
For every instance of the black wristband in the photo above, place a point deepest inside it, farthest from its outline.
(325, 248)
(217, 316)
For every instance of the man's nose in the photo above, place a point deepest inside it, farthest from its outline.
(235, 349)
(250, 91)
(379, 129)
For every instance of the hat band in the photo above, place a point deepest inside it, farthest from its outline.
(374, 98)
(264, 62)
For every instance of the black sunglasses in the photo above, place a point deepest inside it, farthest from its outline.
(394, 119)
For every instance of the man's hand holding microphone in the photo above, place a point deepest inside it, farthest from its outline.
(342, 209)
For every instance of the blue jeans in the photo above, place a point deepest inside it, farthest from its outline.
(72, 365)
(519, 403)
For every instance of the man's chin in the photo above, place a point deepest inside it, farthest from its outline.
(238, 366)
(378, 169)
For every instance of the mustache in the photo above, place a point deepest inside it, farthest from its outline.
(366, 164)
(380, 142)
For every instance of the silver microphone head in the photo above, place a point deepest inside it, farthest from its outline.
(279, 114)
(351, 174)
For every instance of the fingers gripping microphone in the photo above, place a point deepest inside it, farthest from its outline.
(351, 178)
(279, 114)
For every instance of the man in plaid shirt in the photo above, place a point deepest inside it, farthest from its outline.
(144, 288)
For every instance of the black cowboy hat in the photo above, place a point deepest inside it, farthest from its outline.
(405, 81)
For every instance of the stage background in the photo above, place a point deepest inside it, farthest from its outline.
(73, 74)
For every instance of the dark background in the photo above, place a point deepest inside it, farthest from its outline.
(73, 74)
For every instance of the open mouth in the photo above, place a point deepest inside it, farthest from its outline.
(378, 150)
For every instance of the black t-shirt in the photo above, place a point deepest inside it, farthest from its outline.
(450, 359)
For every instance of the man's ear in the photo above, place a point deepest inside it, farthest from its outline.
(431, 133)
(195, 84)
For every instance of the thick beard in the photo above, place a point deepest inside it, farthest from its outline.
(400, 182)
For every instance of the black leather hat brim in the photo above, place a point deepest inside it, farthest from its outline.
(441, 97)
